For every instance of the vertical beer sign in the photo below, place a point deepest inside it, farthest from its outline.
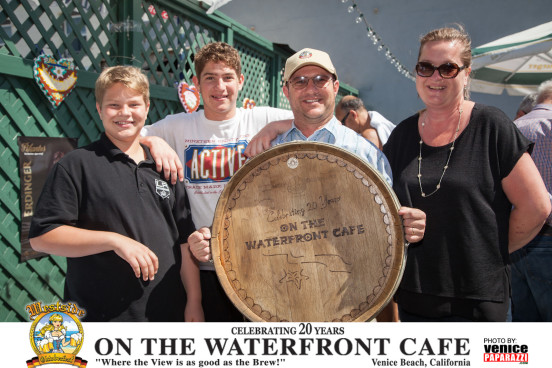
(37, 155)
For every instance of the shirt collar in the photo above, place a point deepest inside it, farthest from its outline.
(543, 106)
(330, 126)
(114, 151)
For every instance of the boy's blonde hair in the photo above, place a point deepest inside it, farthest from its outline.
(130, 76)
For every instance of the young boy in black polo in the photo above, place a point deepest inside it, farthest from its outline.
(121, 226)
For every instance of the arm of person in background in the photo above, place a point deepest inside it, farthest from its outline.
(261, 141)
(189, 272)
(166, 159)
(531, 205)
(200, 245)
(69, 241)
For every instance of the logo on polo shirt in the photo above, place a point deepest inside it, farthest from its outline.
(162, 189)
(56, 334)
(213, 163)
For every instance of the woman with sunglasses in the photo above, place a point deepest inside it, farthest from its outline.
(468, 168)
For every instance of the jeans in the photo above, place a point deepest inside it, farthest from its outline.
(532, 281)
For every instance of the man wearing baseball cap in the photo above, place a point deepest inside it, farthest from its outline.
(311, 86)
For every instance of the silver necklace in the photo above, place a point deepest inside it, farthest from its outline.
(438, 186)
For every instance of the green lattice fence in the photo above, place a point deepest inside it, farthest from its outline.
(160, 36)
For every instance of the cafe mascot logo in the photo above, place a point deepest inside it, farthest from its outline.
(56, 334)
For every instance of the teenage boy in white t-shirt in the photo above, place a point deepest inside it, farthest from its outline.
(210, 144)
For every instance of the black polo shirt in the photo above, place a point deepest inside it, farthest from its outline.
(98, 187)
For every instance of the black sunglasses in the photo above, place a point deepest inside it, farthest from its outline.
(345, 117)
(447, 70)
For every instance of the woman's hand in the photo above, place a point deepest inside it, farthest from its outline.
(414, 223)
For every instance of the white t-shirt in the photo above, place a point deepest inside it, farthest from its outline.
(211, 152)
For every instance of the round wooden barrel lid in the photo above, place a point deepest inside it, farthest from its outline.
(308, 232)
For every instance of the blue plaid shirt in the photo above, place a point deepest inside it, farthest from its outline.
(335, 133)
(536, 126)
